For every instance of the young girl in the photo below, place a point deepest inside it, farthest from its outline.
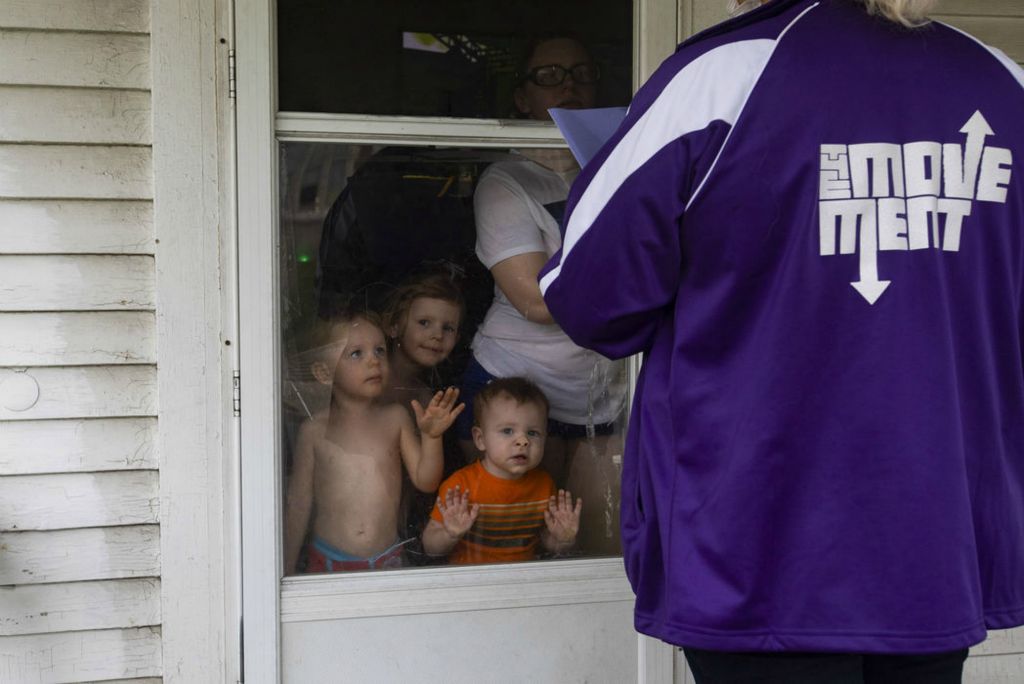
(349, 459)
(422, 323)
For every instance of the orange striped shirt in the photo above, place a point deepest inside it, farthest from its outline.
(511, 514)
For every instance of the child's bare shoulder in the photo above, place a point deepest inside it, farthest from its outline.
(314, 427)
(389, 408)
(394, 415)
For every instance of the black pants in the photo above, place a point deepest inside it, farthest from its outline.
(717, 667)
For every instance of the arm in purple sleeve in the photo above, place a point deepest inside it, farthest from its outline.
(623, 253)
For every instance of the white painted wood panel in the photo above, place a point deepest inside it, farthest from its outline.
(77, 500)
(1001, 641)
(1005, 33)
(81, 282)
(570, 643)
(194, 173)
(68, 446)
(93, 553)
(85, 60)
(74, 115)
(142, 680)
(130, 16)
(74, 606)
(77, 338)
(74, 656)
(75, 172)
(449, 589)
(997, 669)
(76, 227)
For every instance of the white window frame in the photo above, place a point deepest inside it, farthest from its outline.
(267, 598)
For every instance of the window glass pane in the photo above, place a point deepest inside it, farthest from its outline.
(448, 58)
(386, 299)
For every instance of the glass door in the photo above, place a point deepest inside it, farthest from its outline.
(397, 177)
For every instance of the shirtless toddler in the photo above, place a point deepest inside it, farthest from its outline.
(347, 472)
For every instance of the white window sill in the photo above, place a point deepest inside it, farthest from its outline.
(452, 589)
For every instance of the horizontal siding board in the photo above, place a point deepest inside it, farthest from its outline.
(67, 657)
(134, 680)
(77, 338)
(75, 115)
(85, 60)
(69, 283)
(78, 500)
(94, 553)
(1001, 641)
(130, 16)
(74, 606)
(1005, 33)
(75, 172)
(76, 227)
(86, 392)
(68, 446)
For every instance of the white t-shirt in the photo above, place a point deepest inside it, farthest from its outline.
(511, 219)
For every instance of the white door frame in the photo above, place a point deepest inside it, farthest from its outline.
(194, 233)
(266, 600)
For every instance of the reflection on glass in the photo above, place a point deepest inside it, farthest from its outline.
(392, 293)
(447, 58)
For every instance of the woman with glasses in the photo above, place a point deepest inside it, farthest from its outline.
(518, 206)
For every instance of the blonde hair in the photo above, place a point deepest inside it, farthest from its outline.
(325, 330)
(910, 13)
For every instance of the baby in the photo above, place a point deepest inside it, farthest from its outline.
(499, 508)
(349, 458)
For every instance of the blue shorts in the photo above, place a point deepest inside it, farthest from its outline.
(325, 558)
(476, 377)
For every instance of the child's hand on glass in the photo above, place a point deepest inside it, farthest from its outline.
(456, 513)
(439, 414)
(563, 518)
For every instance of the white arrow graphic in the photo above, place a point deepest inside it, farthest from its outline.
(869, 286)
(977, 129)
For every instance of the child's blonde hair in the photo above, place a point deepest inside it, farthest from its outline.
(910, 13)
(431, 285)
(323, 330)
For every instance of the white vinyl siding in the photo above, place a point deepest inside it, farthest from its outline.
(79, 485)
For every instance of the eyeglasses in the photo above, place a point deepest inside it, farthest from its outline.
(550, 75)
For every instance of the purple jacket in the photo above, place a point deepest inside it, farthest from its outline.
(811, 223)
